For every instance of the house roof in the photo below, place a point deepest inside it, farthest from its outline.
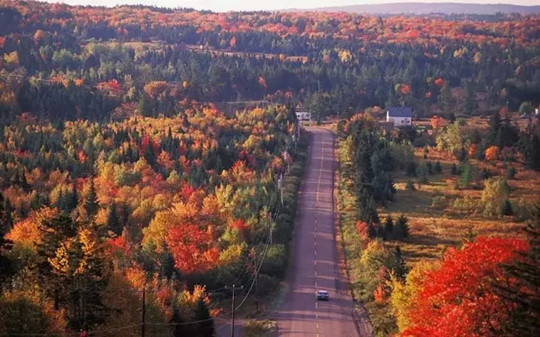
(400, 112)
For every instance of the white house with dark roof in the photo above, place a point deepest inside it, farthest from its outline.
(303, 116)
(400, 116)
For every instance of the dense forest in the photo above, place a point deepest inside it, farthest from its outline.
(84, 62)
(93, 214)
(142, 150)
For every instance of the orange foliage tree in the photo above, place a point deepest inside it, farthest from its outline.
(154, 88)
(492, 153)
(192, 248)
(472, 150)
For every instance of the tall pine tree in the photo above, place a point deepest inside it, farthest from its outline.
(205, 325)
(91, 204)
(113, 222)
(523, 285)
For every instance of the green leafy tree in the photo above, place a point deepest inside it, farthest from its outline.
(451, 139)
(525, 108)
(495, 192)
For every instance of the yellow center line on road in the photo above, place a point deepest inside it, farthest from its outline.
(316, 225)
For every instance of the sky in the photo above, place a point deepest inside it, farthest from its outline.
(226, 5)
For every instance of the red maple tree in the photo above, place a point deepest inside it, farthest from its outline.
(192, 248)
(459, 299)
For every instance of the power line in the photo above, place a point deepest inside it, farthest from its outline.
(258, 269)
(242, 275)
(110, 329)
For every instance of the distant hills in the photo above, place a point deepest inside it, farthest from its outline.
(421, 8)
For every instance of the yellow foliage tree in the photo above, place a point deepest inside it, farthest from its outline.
(12, 59)
(404, 293)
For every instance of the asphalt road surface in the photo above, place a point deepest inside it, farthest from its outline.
(316, 260)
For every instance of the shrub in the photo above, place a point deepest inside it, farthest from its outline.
(438, 167)
(411, 169)
(276, 260)
(523, 209)
(510, 173)
(454, 170)
(256, 328)
(466, 204)
(486, 173)
(438, 201)
(410, 185)
(422, 173)
(423, 141)
(429, 167)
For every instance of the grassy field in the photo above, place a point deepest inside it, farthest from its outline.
(435, 224)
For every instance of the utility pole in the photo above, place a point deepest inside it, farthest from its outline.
(280, 186)
(233, 309)
(143, 326)
(232, 324)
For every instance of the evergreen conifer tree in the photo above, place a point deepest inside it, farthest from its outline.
(73, 199)
(402, 227)
(506, 208)
(6, 223)
(205, 325)
(113, 222)
(91, 204)
(389, 225)
(438, 168)
(524, 290)
(400, 269)
(74, 278)
(179, 329)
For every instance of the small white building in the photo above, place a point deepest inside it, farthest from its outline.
(303, 116)
(399, 116)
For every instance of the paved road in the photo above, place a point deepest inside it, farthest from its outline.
(316, 262)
